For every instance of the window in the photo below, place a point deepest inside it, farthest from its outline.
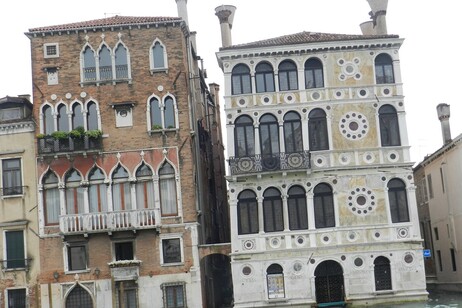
(17, 298)
(171, 250)
(144, 188)
(97, 191)
(296, 202)
(78, 297)
(240, 80)
(76, 256)
(323, 200)
(288, 79)
(437, 236)
(126, 294)
(121, 195)
(442, 178)
(111, 64)
(317, 129)
(48, 122)
(174, 295)
(382, 274)
(167, 183)
(51, 198)
(272, 210)
(440, 261)
(269, 142)
(74, 193)
(14, 249)
(156, 114)
(11, 177)
(158, 56)
(244, 137)
(121, 62)
(389, 126)
(89, 64)
(51, 50)
(398, 201)
(384, 69)
(77, 116)
(124, 251)
(247, 212)
(105, 63)
(430, 185)
(264, 77)
(275, 281)
(162, 116)
(453, 260)
(9, 114)
(293, 140)
(169, 113)
(92, 116)
(63, 119)
(314, 77)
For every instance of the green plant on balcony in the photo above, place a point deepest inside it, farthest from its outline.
(77, 133)
(156, 127)
(41, 136)
(59, 135)
(94, 133)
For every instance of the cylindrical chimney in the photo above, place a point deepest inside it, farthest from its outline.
(444, 113)
(225, 14)
(182, 8)
(378, 16)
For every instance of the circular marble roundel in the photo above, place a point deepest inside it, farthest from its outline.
(361, 201)
(354, 125)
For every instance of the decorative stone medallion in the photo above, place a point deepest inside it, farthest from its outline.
(354, 125)
(361, 201)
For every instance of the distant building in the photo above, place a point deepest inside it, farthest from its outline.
(19, 239)
(438, 179)
(321, 190)
(129, 157)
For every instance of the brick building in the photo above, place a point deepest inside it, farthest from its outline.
(125, 159)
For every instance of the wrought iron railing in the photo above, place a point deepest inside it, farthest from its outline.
(49, 145)
(273, 162)
(11, 191)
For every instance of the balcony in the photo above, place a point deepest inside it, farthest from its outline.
(50, 145)
(267, 163)
(107, 221)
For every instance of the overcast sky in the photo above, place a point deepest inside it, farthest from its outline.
(430, 56)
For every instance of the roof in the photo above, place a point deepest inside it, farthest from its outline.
(306, 37)
(107, 22)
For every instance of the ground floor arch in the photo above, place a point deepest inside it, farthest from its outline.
(329, 282)
(78, 297)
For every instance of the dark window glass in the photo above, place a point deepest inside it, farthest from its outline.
(126, 294)
(63, 119)
(97, 192)
(293, 140)
(323, 200)
(77, 116)
(158, 55)
(92, 116)
(144, 188)
(269, 135)
(171, 250)
(169, 113)
(247, 212)
(121, 194)
(440, 260)
(453, 260)
(272, 210)
(241, 83)
(167, 184)
(244, 137)
(15, 254)
(384, 69)
(317, 129)
(156, 115)
(296, 202)
(398, 201)
(288, 76)
(174, 296)
(77, 257)
(11, 177)
(105, 64)
(314, 77)
(382, 274)
(89, 64)
(123, 251)
(51, 198)
(48, 122)
(74, 193)
(389, 126)
(264, 78)
(121, 62)
(17, 298)
(78, 298)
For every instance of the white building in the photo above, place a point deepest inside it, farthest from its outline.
(321, 190)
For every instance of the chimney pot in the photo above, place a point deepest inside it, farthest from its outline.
(444, 113)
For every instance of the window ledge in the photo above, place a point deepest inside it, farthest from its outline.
(172, 264)
(277, 300)
(158, 70)
(12, 196)
(162, 131)
(77, 272)
(16, 269)
(384, 292)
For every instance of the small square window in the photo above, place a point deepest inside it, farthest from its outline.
(51, 50)
(16, 298)
(123, 251)
(77, 257)
(171, 250)
(174, 295)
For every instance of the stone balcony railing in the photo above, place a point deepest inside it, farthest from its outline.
(49, 145)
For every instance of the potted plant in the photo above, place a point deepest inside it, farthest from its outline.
(94, 134)
(77, 133)
(59, 135)
(156, 127)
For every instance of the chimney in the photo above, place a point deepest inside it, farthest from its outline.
(443, 115)
(225, 14)
(378, 24)
(182, 10)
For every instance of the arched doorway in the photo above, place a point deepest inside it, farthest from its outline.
(329, 282)
(79, 298)
(382, 274)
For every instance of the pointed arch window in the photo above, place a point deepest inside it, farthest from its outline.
(244, 137)
(169, 112)
(264, 77)
(247, 212)
(121, 62)
(272, 210)
(97, 191)
(275, 281)
(50, 197)
(156, 113)
(105, 63)
(389, 126)
(158, 56)
(63, 119)
(384, 69)
(48, 122)
(168, 194)
(296, 202)
(79, 297)
(397, 198)
(293, 140)
(317, 129)
(324, 214)
(269, 141)
(92, 116)
(144, 188)
(382, 274)
(89, 64)
(121, 196)
(240, 80)
(314, 76)
(74, 193)
(77, 116)
(288, 76)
